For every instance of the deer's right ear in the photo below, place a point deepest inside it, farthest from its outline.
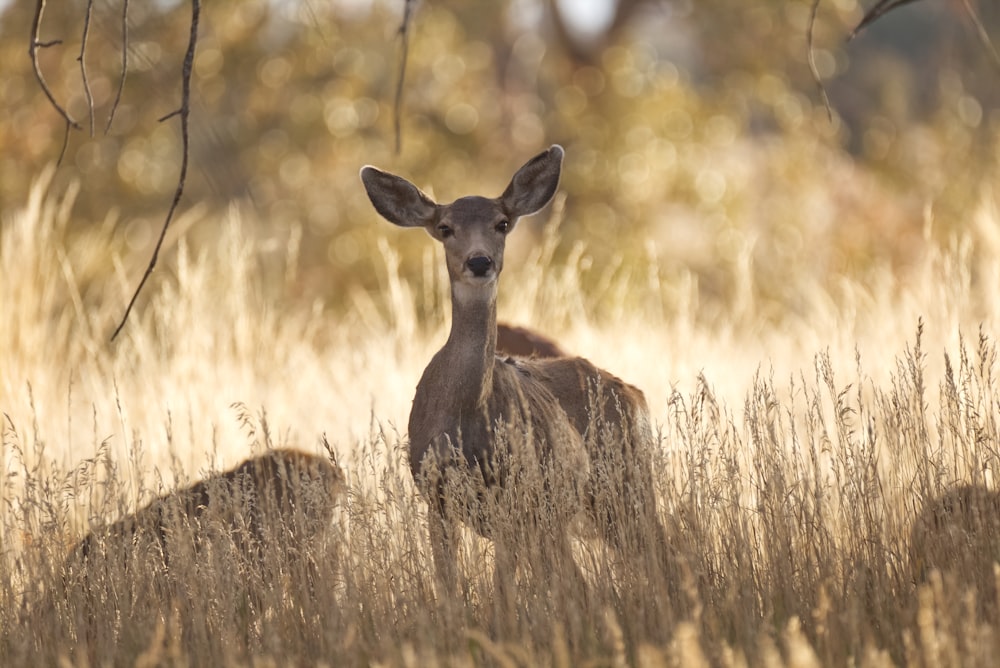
(534, 184)
(396, 199)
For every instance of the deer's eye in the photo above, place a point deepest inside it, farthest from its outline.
(445, 231)
(503, 226)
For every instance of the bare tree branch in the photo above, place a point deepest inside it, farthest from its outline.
(812, 62)
(65, 143)
(984, 37)
(169, 115)
(184, 111)
(880, 9)
(33, 48)
(883, 7)
(404, 33)
(82, 59)
(121, 81)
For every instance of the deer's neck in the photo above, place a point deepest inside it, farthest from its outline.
(455, 389)
(472, 344)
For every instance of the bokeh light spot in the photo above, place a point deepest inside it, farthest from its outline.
(274, 72)
(711, 186)
(970, 111)
(340, 116)
(462, 118)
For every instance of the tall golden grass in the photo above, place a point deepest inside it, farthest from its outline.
(796, 455)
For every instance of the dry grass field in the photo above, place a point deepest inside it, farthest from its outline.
(795, 457)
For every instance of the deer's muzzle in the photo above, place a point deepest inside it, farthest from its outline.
(479, 265)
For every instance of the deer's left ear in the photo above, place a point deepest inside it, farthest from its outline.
(534, 184)
(397, 200)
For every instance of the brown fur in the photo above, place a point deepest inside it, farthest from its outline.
(283, 495)
(248, 530)
(958, 534)
(523, 342)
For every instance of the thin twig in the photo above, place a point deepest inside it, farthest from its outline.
(121, 81)
(65, 143)
(880, 9)
(885, 6)
(984, 37)
(812, 62)
(404, 33)
(316, 25)
(82, 59)
(183, 112)
(33, 48)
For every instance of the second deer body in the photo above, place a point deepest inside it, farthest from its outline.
(283, 498)
(551, 437)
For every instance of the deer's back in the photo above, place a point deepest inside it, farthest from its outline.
(592, 398)
(283, 492)
(958, 531)
(523, 342)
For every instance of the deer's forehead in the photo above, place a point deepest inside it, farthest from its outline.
(472, 211)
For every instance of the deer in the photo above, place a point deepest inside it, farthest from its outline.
(580, 432)
(283, 496)
(263, 524)
(958, 534)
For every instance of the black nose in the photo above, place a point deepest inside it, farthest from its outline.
(479, 265)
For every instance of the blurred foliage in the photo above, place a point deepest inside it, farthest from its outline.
(693, 129)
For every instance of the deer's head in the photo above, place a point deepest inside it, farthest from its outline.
(473, 229)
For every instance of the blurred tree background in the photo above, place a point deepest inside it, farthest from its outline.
(697, 142)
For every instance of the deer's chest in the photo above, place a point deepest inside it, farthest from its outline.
(482, 429)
